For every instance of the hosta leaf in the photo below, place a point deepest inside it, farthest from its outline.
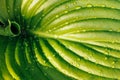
(59, 40)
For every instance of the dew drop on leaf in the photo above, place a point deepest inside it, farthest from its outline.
(75, 3)
(8, 11)
(44, 61)
(66, 6)
(28, 26)
(49, 30)
(113, 62)
(78, 59)
(113, 7)
(78, 31)
(45, 74)
(89, 5)
(66, 11)
(78, 7)
(106, 58)
(35, 37)
(66, 23)
(54, 55)
(103, 5)
(8, 7)
(57, 16)
(15, 9)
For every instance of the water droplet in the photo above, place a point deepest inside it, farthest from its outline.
(101, 72)
(57, 16)
(83, 30)
(8, 7)
(106, 51)
(78, 7)
(89, 5)
(44, 61)
(66, 6)
(8, 10)
(78, 31)
(77, 18)
(43, 15)
(23, 15)
(76, 64)
(34, 26)
(28, 26)
(26, 68)
(113, 66)
(65, 11)
(66, 23)
(56, 36)
(91, 55)
(54, 55)
(54, 28)
(74, 3)
(37, 40)
(45, 74)
(103, 5)
(106, 58)
(110, 30)
(113, 7)
(113, 62)
(49, 30)
(15, 9)
(113, 42)
(35, 37)
(78, 59)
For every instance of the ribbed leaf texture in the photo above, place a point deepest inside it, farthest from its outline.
(61, 40)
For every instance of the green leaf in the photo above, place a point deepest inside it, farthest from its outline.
(60, 40)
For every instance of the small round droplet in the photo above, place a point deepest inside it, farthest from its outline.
(110, 30)
(46, 74)
(113, 7)
(15, 9)
(44, 61)
(113, 62)
(35, 37)
(66, 6)
(28, 26)
(66, 23)
(78, 59)
(74, 3)
(84, 30)
(8, 7)
(54, 28)
(78, 7)
(8, 10)
(57, 16)
(23, 15)
(102, 5)
(43, 15)
(77, 18)
(106, 58)
(56, 36)
(65, 11)
(89, 5)
(113, 66)
(78, 31)
(49, 30)
(54, 55)
(113, 42)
